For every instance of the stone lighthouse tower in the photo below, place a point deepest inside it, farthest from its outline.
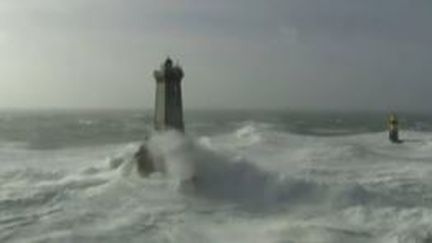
(168, 108)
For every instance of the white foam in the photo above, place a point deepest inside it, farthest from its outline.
(254, 184)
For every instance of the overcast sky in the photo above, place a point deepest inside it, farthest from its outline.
(320, 54)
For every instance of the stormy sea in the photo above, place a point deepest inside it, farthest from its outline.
(260, 176)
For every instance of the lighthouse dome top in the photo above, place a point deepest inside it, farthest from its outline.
(168, 63)
(170, 71)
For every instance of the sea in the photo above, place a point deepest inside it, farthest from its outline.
(279, 176)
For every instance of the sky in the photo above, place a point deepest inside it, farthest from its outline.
(240, 54)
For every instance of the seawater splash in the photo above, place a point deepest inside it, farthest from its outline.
(221, 177)
(254, 182)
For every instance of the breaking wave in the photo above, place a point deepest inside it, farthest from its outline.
(253, 183)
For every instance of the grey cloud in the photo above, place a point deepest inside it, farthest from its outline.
(266, 54)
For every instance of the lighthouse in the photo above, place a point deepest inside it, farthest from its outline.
(168, 113)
